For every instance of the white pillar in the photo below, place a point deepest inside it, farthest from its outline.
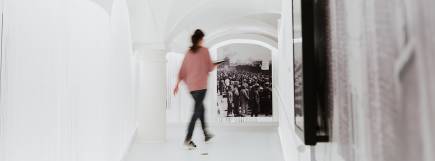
(150, 95)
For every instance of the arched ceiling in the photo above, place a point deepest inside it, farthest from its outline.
(244, 53)
(216, 42)
(105, 4)
(171, 22)
(242, 26)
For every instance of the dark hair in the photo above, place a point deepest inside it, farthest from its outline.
(196, 38)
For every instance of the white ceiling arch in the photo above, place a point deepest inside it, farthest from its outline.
(105, 4)
(213, 49)
(217, 24)
(212, 19)
(257, 37)
(255, 30)
(171, 22)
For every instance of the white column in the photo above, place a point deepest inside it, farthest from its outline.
(150, 95)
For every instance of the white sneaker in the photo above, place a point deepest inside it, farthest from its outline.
(208, 137)
(190, 145)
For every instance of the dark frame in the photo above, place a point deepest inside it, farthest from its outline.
(310, 70)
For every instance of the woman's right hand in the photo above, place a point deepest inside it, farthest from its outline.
(176, 90)
(176, 87)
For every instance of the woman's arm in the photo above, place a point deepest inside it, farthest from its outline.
(181, 75)
(210, 62)
(176, 86)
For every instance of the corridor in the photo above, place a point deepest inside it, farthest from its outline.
(275, 80)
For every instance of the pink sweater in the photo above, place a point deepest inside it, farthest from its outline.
(195, 69)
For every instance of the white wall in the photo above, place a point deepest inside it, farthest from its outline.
(180, 106)
(293, 148)
(66, 90)
(150, 95)
(379, 73)
(379, 111)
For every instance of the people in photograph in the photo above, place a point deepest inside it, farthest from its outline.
(268, 100)
(263, 99)
(256, 108)
(249, 82)
(230, 101)
(252, 101)
(236, 99)
(244, 99)
(194, 72)
(221, 87)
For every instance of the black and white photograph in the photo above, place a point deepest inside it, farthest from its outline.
(244, 82)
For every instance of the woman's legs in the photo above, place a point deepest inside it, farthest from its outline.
(198, 113)
(191, 127)
(202, 119)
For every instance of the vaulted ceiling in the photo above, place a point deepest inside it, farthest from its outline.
(169, 23)
(105, 4)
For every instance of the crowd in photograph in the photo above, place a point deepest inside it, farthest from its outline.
(246, 91)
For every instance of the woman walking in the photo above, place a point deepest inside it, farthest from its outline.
(194, 71)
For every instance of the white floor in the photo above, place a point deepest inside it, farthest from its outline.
(229, 144)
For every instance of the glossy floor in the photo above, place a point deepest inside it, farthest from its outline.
(229, 144)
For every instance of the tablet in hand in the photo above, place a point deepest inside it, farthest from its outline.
(219, 62)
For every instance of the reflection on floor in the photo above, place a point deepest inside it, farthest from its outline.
(230, 144)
